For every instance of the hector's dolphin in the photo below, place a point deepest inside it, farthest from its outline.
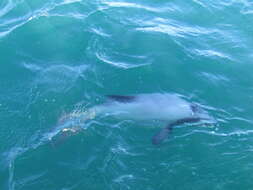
(170, 108)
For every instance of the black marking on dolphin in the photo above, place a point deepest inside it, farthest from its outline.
(121, 98)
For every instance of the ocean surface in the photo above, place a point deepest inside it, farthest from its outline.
(63, 56)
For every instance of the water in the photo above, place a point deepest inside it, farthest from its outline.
(60, 56)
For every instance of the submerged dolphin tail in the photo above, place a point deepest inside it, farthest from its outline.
(164, 132)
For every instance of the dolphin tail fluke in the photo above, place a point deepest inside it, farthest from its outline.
(164, 132)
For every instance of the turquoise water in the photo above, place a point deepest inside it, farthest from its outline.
(60, 56)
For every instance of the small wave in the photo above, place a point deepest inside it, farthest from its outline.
(247, 7)
(99, 32)
(202, 4)
(66, 15)
(247, 11)
(124, 178)
(12, 28)
(70, 2)
(215, 133)
(223, 4)
(106, 59)
(173, 28)
(10, 5)
(32, 67)
(212, 53)
(240, 119)
(214, 78)
(119, 149)
(129, 5)
(138, 6)
(11, 24)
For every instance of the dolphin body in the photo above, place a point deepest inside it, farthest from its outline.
(170, 108)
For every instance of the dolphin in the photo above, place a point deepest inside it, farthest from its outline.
(166, 107)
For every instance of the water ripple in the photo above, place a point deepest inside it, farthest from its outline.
(11, 24)
(215, 133)
(174, 28)
(139, 6)
(119, 149)
(212, 53)
(47, 10)
(99, 31)
(217, 79)
(70, 2)
(124, 178)
(106, 59)
(10, 5)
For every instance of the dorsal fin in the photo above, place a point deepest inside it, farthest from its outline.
(121, 98)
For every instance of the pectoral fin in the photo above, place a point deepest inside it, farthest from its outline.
(161, 135)
(164, 132)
